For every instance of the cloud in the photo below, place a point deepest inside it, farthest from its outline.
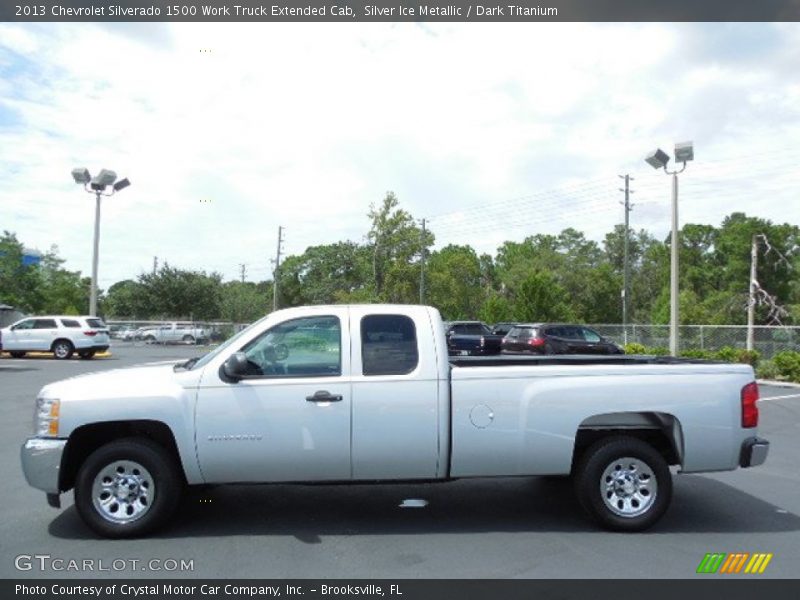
(229, 130)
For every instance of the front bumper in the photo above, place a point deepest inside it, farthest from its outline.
(754, 452)
(41, 463)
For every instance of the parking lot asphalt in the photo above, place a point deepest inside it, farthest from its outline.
(499, 528)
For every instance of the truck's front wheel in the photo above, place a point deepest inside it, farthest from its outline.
(128, 488)
(623, 483)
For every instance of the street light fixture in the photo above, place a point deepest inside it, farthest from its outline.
(658, 159)
(97, 186)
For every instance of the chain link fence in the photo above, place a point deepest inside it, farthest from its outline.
(767, 340)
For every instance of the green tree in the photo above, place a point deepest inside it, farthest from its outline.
(396, 244)
(242, 302)
(539, 297)
(178, 293)
(63, 292)
(328, 274)
(455, 282)
(496, 308)
(20, 285)
(128, 299)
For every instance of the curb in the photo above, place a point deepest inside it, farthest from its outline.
(106, 354)
(786, 384)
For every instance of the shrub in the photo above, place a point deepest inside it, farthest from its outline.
(767, 369)
(698, 353)
(788, 364)
(634, 348)
(658, 351)
(748, 357)
(727, 354)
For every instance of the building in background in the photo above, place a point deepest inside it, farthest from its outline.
(31, 257)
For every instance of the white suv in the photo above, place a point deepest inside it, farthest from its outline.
(60, 335)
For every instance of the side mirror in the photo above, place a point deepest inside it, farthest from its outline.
(235, 368)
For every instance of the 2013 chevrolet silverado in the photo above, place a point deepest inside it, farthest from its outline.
(368, 393)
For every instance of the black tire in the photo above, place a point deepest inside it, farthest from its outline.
(651, 480)
(189, 339)
(149, 339)
(62, 349)
(164, 492)
(17, 354)
(86, 355)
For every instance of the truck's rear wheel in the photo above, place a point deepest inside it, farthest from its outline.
(128, 488)
(623, 483)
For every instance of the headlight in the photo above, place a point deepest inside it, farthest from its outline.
(45, 417)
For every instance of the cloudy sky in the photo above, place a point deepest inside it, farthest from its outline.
(490, 131)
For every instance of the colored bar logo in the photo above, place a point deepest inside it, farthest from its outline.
(734, 563)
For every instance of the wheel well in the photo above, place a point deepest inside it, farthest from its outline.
(53, 345)
(659, 430)
(88, 438)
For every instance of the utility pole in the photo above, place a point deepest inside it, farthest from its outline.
(422, 265)
(155, 265)
(243, 270)
(751, 303)
(277, 269)
(625, 262)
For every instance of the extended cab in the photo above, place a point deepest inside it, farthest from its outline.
(368, 393)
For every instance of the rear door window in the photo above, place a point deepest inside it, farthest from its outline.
(45, 324)
(473, 329)
(388, 345)
(589, 335)
(571, 333)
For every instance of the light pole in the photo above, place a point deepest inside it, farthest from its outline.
(97, 186)
(658, 159)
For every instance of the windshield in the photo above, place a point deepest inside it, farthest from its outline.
(204, 360)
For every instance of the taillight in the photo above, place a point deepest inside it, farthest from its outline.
(90, 333)
(536, 341)
(749, 406)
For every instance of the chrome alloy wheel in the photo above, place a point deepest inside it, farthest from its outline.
(61, 350)
(628, 487)
(123, 491)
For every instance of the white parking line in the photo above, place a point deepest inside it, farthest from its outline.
(787, 396)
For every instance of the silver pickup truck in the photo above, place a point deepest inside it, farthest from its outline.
(174, 333)
(368, 393)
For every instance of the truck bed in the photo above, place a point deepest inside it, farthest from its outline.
(511, 360)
